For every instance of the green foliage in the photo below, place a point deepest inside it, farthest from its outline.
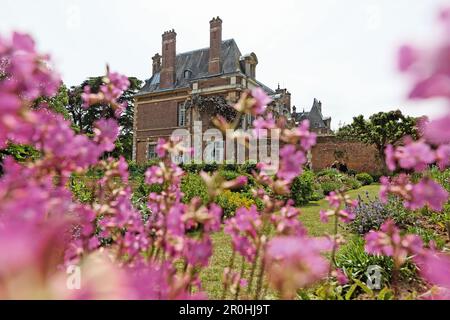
(20, 152)
(350, 183)
(302, 188)
(332, 179)
(365, 178)
(231, 201)
(318, 193)
(57, 103)
(354, 261)
(192, 185)
(427, 235)
(80, 190)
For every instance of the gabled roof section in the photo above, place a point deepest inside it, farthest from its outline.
(314, 116)
(196, 63)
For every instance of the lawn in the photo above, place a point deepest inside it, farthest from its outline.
(212, 276)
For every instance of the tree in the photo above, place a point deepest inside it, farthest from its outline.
(84, 118)
(57, 103)
(380, 129)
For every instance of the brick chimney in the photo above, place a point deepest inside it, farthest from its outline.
(215, 46)
(156, 63)
(169, 45)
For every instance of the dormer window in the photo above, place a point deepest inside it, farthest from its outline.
(187, 74)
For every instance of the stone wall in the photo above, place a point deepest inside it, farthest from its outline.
(356, 155)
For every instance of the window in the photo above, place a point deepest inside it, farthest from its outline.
(181, 114)
(187, 74)
(152, 152)
(218, 152)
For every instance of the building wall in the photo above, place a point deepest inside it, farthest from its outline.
(356, 155)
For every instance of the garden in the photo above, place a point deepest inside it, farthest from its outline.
(79, 221)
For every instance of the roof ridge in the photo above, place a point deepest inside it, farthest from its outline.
(205, 48)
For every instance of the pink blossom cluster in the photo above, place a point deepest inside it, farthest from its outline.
(433, 265)
(295, 262)
(114, 84)
(341, 206)
(426, 192)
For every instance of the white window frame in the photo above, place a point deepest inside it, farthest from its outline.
(182, 114)
(155, 155)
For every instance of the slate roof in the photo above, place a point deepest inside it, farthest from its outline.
(197, 63)
(314, 116)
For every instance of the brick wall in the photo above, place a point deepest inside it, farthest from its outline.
(356, 155)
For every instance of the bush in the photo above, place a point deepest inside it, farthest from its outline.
(318, 193)
(80, 189)
(231, 201)
(192, 185)
(364, 178)
(328, 184)
(371, 213)
(302, 188)
(353, 259)
(350, 183)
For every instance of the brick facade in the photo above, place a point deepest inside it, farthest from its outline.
(356, 155)
(220, 70)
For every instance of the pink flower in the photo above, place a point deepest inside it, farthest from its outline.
(390, 157)
(389, 242)
(161, 148)
(244, 230)
(154, 175)
(9, 102)
(415, 155)
(443, 156)
(340, 277)
(407, 57)
(291, 162)
(293, 263)
(261, 101)
(434, 267)
(106, 132)
(325, 215)
(437, 131)
(198, 252)
(427, 193)
(334, 200)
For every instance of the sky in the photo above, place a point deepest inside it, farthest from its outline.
(342, 52)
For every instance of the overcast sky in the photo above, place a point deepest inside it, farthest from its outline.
(339, 51)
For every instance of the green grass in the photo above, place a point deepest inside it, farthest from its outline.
(212, 276)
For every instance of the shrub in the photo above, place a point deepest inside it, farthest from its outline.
(231, 201)
(371, 213)
(192, 185)
(350, 183)
(80, 190)
(364, 178)
(302, 188)
(248, 167)
(353, 259)
(329, 173)
(328, 184)
(318, 193)
(229, 175)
